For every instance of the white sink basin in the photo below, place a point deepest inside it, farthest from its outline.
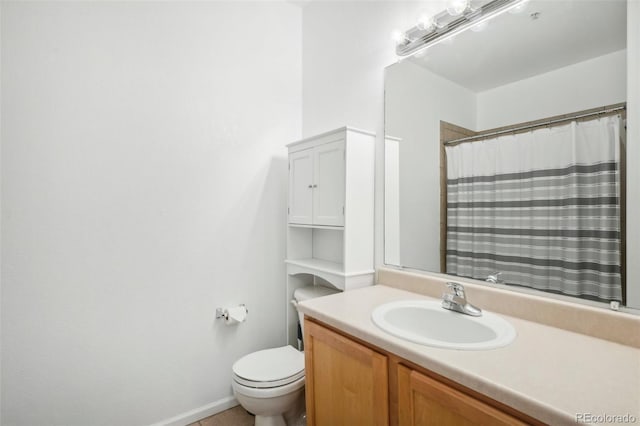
(426, 322)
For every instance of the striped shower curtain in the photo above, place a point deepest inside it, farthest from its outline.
(542, 208)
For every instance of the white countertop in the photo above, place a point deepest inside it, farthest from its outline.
(548, 373)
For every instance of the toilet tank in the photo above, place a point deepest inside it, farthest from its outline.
(304, 293)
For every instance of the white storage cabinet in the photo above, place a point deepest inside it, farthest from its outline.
(317, 185)
(330, 232)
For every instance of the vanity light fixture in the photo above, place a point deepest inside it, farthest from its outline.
(399, 37)
(425, 22)
(445, 25)
(457, 7)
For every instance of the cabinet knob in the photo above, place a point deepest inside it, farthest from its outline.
(315, 186)
(310, 186)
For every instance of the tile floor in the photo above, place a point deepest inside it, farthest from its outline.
(236, 416)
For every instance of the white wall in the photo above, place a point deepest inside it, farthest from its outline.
(416, 101)
(346, 46)
(143, 185)
(589, 84)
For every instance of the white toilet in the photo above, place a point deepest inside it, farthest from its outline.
(270, 383)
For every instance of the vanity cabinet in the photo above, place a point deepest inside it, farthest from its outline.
(425, 401)
(346, 382)
(349, 382)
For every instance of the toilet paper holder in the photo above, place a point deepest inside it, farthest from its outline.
(224, 313)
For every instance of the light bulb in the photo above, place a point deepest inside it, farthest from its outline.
(457, 7)
(426, 22)
(398, 36)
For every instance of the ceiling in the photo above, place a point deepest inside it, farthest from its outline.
(517, 46)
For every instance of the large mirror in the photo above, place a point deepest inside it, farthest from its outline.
(535, 75)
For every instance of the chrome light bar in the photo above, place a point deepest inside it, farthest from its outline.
(417, 39)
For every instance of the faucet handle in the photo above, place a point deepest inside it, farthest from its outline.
(458, 289)
(494, 278)
(457, 301)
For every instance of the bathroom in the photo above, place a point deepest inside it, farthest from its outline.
(144, 185)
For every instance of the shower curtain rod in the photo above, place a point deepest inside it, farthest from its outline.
(539, 124)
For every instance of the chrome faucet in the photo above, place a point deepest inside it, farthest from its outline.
(455, 300)
(494, 278)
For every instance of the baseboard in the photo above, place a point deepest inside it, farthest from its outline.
(199, 413)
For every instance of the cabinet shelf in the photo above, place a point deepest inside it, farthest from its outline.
(299, 225)
(332, 272)
(318, 265)
(326, 266)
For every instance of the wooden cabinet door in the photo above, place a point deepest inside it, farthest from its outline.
(301, 187)
(424, 401)
(346, 382)
(329, 184)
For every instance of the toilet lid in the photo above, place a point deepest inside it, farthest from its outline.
(270, 367)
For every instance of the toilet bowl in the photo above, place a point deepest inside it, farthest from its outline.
(270, 383)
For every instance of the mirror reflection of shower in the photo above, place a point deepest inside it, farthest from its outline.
(543, 62)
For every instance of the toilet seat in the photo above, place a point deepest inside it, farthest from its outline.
(269, 368)
(264, 385)
(267, 393)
